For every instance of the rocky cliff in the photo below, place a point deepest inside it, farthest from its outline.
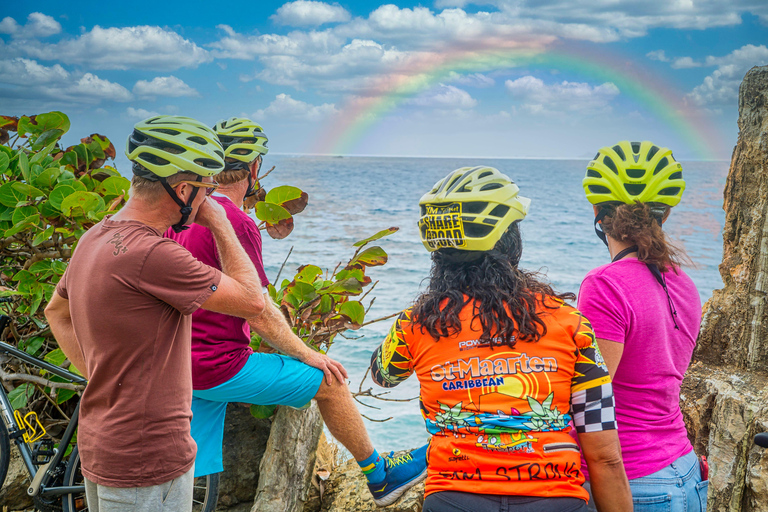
(725, 393)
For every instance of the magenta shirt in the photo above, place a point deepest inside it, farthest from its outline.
(626, 304)
(220, 342)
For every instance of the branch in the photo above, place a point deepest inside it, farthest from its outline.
(40, 380)
(283, 265)
(265, 174)
(381, 319)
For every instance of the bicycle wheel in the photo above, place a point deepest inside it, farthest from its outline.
(73, 476)
(5, 452)
(206, 493)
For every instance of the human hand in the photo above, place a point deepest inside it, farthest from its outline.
(210, 214)
(328, 366)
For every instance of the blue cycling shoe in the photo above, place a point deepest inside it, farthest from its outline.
(403, 472)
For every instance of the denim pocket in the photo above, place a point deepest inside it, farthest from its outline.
(660, 503)
(701, 490)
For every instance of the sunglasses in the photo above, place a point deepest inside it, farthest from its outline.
(209, 187)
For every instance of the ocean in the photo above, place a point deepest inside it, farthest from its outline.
(351, 198)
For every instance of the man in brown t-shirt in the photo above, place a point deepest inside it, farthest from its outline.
(121, 315)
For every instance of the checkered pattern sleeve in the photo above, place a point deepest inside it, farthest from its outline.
(593, 409)
(392, 363)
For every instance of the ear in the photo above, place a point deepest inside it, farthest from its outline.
(255, 166)
(666, 215)
(182, 191)
(595, 209)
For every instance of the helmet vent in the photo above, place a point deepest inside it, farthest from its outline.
(634, 189)
(669, 191)
(491, 186)
(635, 173)
(661, 165)
(652, 152)
(198, 140)
(473, 207)
(593, 174)
(153, 159)
(609, 163)
(486, 173)
(473, 230)
(166, 131)
(619, 152)
(599, 189)
(635, 147)
(499, 211)
(208, 163)
(596, 156)
(676, 175)
(463, 189)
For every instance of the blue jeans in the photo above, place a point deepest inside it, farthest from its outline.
(675, 488)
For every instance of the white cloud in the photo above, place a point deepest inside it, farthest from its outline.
(471, 80)
(31, 80)
(140, 113)
(38, 25)
(539, 98)
(659, 55)
(141, 47)
(283, 106)
(309, 13)
(163, 86)
(445, 97)
(685, 63)
(722, 86)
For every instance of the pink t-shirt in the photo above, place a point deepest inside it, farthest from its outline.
(625, 304)
(220, 342)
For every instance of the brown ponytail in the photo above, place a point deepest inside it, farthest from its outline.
(637, 224)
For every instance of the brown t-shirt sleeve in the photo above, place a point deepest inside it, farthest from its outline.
(61, 287)
(174, 276)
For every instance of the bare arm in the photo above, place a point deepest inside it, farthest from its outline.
(271, 326)
(612, 352)
(60, 321)
(239, 292)
(610, 487)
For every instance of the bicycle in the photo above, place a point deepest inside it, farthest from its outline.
(56, 482)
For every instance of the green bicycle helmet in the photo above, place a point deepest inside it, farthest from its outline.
(242, 139)
(166, 145)
(470, 209)
(634, 171)
(161, 146)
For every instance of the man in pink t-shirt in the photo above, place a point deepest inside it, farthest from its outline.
(225, 369)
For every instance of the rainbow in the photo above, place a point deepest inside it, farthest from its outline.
(385, 92)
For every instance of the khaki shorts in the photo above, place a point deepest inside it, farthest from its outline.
(173, 496)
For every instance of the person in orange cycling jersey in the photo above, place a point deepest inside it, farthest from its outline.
(505, 365)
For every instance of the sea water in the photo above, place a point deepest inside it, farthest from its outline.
(352, 198)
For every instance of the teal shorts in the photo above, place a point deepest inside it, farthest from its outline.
(266, 379)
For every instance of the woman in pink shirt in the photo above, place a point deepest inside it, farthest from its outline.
(646, 313)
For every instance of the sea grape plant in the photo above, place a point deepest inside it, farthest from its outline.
(49, 196)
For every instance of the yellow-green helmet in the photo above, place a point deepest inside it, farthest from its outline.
(470, 209)
(242, 139)
(166, 145)
(634, 171)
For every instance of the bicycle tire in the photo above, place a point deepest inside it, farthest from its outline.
(5, 452)
(73, 476)
(205, 493)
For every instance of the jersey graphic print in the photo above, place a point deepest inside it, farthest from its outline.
(481, 402)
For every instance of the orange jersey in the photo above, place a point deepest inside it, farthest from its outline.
(500, 417)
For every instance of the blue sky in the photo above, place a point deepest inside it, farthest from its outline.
(296, 67)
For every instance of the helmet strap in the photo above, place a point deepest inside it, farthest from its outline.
(186, 209)
(598, 228)
(251, 191)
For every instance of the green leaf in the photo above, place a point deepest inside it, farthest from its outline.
(349, 286)
(271, 213)
(354, 310)
(304, 292)
(47, 210)
(326, 304)
(20, 395)
(22, 225)
(24, 165)
(79, 203)
(355, 273)
(263, 411)
(62, 395)
(42, 237)
(283, 194)
(6, 212)
(33, 346)
(372, 257)
(55, 356)
(47, 178)
(114, 186)
(58, 194)
(380, 234)
(52, 120)
(23, 212)
(46, 138)
(308, 273)
(9, 196)
(4, 162)
(27, 190)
